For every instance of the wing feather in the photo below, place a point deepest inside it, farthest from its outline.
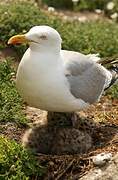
(87, 78)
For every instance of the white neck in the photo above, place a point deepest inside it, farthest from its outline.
(49, 59)
(45, 48)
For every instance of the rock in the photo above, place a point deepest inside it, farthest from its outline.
(108, 172)
(51, 9)
(101, 159)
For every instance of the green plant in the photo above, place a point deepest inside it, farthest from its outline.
(91, 5)
(86, 5)
(18, 17)
(92, 37)
(81, 4)
(17, 163)
(113, 91)
(10, 101)
(59, 4)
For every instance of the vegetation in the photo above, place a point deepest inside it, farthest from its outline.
(92, 37)
(81, 4)
(16, 163)
(110, 8)
(113, 91)
(18, 17)
(91, 5)
(10, 101)
(59, 4)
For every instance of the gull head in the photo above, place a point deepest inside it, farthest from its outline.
(39, 38)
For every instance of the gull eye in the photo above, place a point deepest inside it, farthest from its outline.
(43, 37)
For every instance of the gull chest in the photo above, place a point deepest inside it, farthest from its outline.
(42, 86)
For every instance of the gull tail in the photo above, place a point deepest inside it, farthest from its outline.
(112, 65)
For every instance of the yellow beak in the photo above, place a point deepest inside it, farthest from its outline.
(18, 39)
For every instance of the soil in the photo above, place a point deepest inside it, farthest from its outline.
(104, 114)
(105, 132)
(79, 16)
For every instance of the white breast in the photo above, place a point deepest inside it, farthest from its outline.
(43, 85)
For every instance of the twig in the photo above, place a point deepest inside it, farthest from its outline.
(69, 165)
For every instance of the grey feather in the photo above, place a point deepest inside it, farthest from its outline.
(86, 77)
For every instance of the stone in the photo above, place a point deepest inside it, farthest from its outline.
(108, 172)
(101, 159)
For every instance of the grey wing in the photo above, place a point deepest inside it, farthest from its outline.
(87, 79)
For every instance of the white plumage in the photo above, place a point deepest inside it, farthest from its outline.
(56, 80)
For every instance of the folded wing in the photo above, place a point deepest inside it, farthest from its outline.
(87, 78)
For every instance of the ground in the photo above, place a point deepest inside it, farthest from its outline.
(66, 166)
(105, 135)
(101, 121)
(80, 16)
(104, 130)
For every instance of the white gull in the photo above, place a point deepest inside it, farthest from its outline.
(57, 80)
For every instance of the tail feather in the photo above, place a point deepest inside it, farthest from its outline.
(112, 65)
(113, 81)
(108, 62)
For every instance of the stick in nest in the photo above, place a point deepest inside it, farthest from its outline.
(64, 171)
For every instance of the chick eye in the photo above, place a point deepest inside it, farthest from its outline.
(43, 37)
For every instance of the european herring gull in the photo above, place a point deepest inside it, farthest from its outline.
(57, 80)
